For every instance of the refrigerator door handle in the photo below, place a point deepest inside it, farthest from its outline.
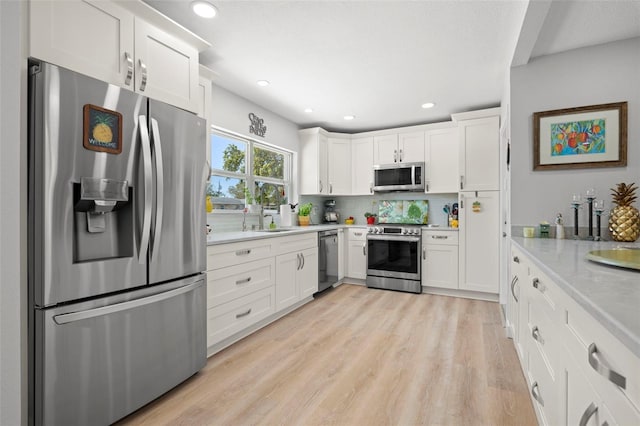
(157, 147)
(124, 306)
(146, 159)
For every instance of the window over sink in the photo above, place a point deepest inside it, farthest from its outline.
(242, 166)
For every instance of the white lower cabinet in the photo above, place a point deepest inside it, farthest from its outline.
(440, 258)
(356, 253)
(577, 371)
(247, 282)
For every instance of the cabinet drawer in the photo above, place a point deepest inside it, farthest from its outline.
(440, 237)
(295, 242)
(224, 255)
(543, 291)
(229, 318)
(229, 283)
(589, 342)
(357, 234)
(544, 336)
(543, 389)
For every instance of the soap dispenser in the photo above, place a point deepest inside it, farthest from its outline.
(272, 225)
(559, 227)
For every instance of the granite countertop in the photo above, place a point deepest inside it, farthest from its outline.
(610, 294)
(232, 237)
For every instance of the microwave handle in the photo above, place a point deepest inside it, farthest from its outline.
(413, 175)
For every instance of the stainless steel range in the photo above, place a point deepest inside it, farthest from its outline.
(393, 257)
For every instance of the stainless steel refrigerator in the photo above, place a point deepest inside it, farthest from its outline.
(117, 248)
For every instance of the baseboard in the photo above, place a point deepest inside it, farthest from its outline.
(466, 294)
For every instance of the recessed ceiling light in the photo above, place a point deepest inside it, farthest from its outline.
(263, 83)
(349, 117)
(428, 105)
(308, 110)
(204, 9)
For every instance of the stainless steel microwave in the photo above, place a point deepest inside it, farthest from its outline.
(398, 177)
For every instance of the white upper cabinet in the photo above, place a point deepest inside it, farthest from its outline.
(107, 41)
(411, 147)
(166, 68)
(398, 148)
(479, 154)
(441, 160)
(385, 149)
(362, 166)
(90, 37)
(313, 162)
(339, 166)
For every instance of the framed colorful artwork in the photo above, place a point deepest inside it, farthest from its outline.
(583, 137)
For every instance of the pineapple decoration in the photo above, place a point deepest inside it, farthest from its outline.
(624, 220)
(102, 128)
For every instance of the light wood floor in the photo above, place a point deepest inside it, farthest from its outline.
(358, 356)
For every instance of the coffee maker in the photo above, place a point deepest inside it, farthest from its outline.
(330, 213)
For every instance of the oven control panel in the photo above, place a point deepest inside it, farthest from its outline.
(394, 230)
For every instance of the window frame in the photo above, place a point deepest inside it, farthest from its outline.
(248, 177)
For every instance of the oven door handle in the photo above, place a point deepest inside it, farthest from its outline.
(393, 238)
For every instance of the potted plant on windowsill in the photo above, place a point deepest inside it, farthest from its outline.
(304, 211)
(249, 202)
(371, 218)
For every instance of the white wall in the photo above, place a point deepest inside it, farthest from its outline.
(12, 215)
(587, 76)
(231, 112)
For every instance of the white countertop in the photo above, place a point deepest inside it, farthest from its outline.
(610, 294)
(232, 237)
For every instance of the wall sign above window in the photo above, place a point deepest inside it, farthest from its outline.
(257, 126)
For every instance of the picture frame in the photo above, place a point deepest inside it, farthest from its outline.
(579, 138)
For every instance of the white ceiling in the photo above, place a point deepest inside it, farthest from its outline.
(380, 60)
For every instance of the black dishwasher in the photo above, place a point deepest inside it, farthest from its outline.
(328, 259)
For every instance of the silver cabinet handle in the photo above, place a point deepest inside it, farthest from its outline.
(371, 187)
(427, 188)
(129, 76)
(243, 314)
(439, 237)
(303, 261)
(143, 79)
(124, 306)
(330, 188)
(299, 262)
(590, 411)
(536, 394)
(243, 252)
(357, 234)
(513, 286)
(604, 370)
(364, 249)
(243, 281)
(400, 156)
(461, 182)
(537, 284)
(157, 151)
(424, 253)
(210, 170)
(535, 333)
(146, 161)
(516, 259)
(320, 185)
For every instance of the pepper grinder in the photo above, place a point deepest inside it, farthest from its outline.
(559, 227)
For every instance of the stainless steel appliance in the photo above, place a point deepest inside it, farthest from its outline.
(393, 257)
(398, 177)
(328, 259)
(117, 246)
(330, 213)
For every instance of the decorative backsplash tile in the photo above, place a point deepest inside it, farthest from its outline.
(403, 211)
